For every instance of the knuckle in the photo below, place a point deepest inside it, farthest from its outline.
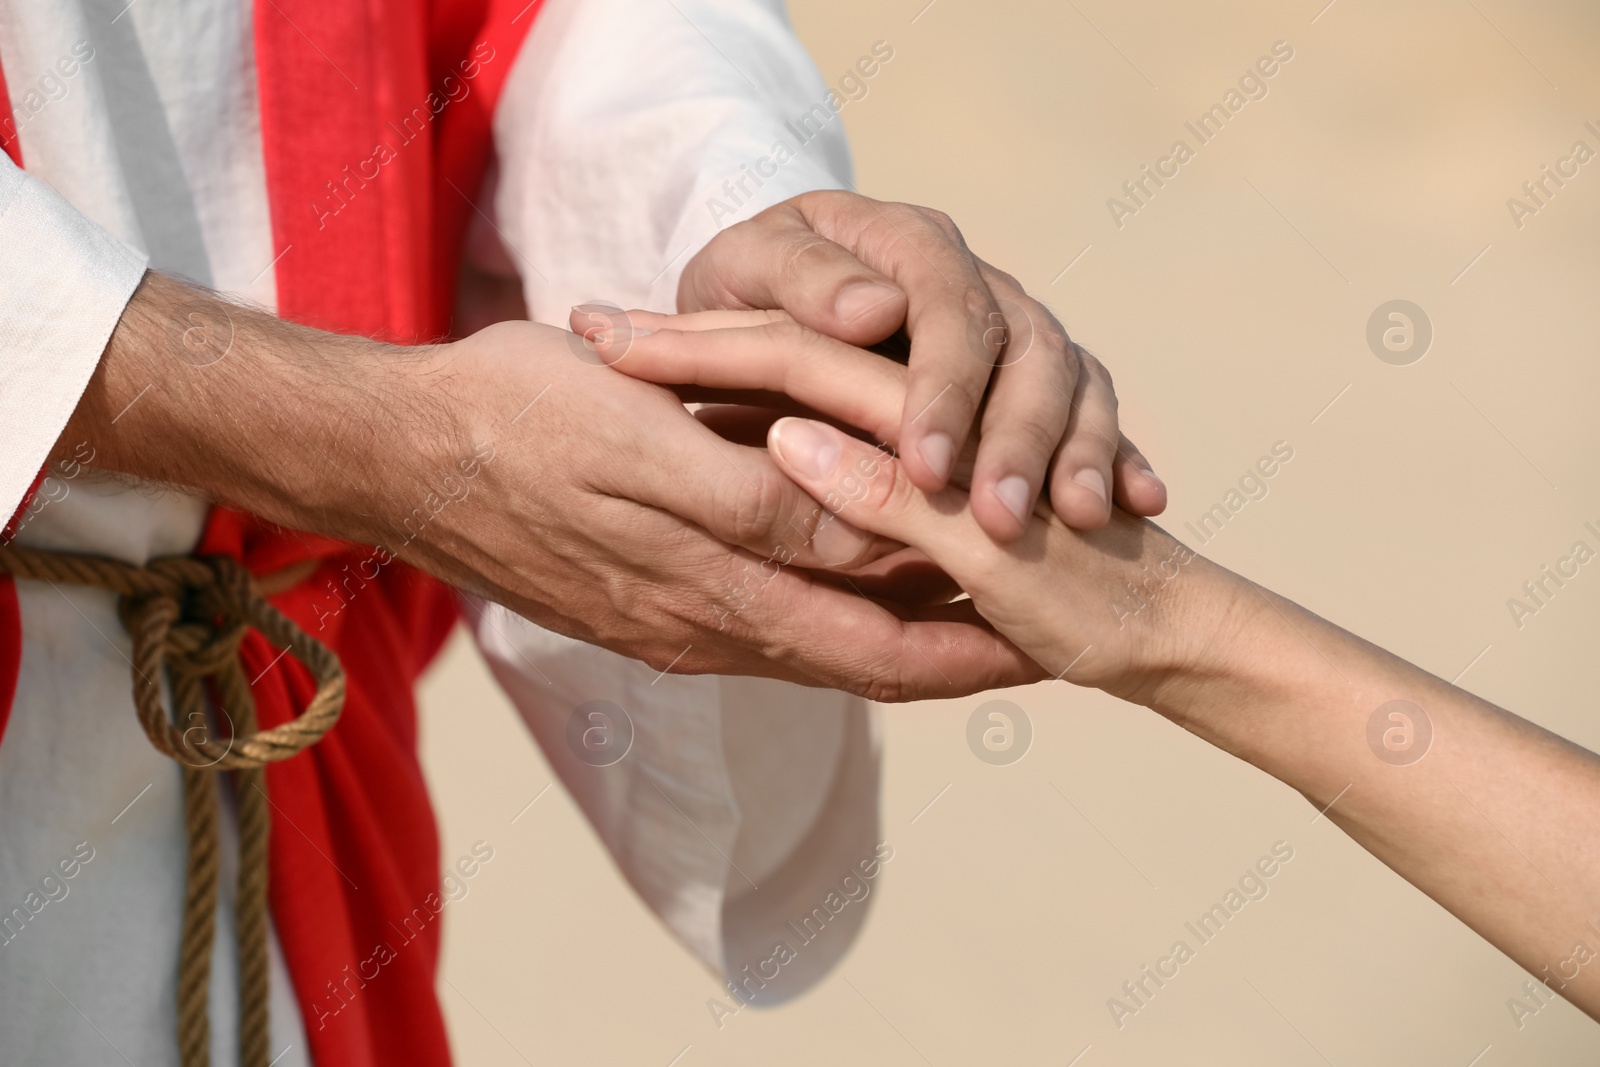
(991, 568)
(878, 672)
(753, 506)
(829, 199)
(1028, 437)
(764, 219)
(731, 600)
(988, 327)
(890, 689)
(1092, 364)
(966, 396)
(946, 401)
(1005, 280)
(982, 561)
(874, 482)
(734, 240)
(792, 339)
(1088, 446)
(1049, 332)
(944, 223)
(1031, 325)
(978, 303)
(703, 283)
(804, 254)
(786, 332)
(1039, 329)
(1075, 456)
(834, 212)
(1110, 402)
(895, 493)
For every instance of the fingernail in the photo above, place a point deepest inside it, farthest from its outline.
(1142, 465)
(806, 447)
(858, 299)
(1013, 493)
(595, 317)
(836, 541)
(1093, 481)
(619, 334)
(938, 453)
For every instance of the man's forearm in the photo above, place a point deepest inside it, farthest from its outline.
(1490, 815)
(248, 409)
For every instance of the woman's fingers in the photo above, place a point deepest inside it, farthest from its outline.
(588, 319)
(777, 355)
(757, 357)
(872, 490)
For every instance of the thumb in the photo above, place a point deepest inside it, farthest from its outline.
(776, 260)
(869, 487)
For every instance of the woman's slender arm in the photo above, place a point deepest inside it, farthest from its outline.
(1488, 814)
(1493, 817)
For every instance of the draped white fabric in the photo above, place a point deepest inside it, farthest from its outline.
(618, 122)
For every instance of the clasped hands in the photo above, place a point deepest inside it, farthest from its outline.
(818, 520)
(615, 515)
(997, 416)
(516, 465)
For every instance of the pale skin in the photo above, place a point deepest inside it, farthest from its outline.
(607, 512)
(1496, 820)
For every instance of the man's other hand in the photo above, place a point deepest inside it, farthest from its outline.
(861, 270)
(515, 465)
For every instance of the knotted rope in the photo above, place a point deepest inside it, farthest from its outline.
(187, 617)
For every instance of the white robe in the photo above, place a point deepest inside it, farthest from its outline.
(619, 124)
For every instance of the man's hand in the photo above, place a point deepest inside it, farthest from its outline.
(859, 270)
(1054, 591)
(515, 466)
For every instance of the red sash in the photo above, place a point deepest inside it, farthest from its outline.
(375, 122)
(10, 615)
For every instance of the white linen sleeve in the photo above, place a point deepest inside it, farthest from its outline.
(631, 131)
(63, 284)
(745, 812)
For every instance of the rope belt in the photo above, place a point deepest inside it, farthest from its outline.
(187, 616)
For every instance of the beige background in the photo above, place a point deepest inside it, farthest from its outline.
(1232, 310)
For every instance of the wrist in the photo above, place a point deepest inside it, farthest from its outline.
(290, 423)
(1189, 619)
(1240, 660)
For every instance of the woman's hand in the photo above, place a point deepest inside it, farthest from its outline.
(1103, 608)
(1084, 604)
(1066, 445)
(1491, 816)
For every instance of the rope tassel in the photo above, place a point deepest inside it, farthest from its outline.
(187, 617)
